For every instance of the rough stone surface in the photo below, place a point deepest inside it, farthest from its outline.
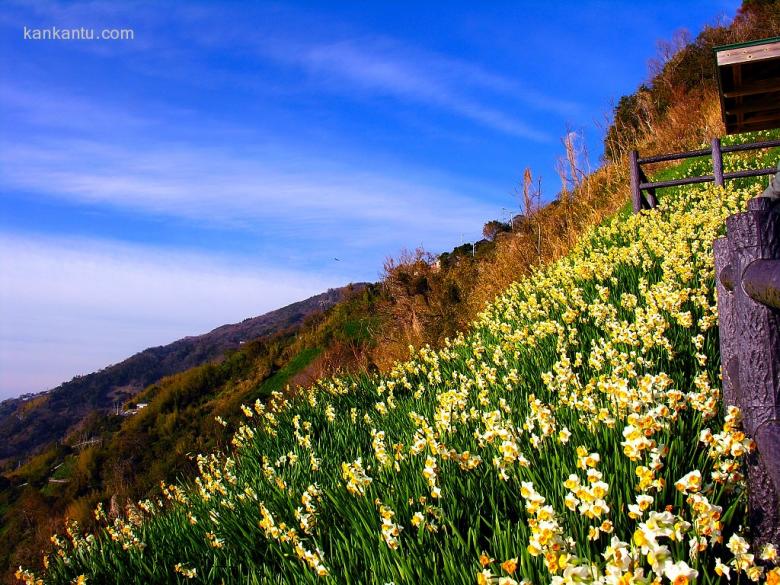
(728, 334)
(761, 281)
(750, 350)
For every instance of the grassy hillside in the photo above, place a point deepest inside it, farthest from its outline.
(111, 458)
(575, 434)
(27, 425)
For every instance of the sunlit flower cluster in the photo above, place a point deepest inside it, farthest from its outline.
(727, 448)
(391, 531)
(355, 477)
(287, 535)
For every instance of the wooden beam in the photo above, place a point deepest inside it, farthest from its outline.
(758, 120)
(761, 105)
(751, 126)
(768, 117)
(749, 54)
(771, 85)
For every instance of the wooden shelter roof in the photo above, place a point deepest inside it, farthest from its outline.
(749, 81)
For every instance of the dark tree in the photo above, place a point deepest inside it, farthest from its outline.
(493, 228)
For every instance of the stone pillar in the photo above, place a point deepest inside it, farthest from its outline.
(750, 353)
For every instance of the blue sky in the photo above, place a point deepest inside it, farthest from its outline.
(213, 167)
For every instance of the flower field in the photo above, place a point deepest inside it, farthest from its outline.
(574, 434)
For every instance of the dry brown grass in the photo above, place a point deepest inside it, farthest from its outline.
(691, 121)
(338, 358)
(678, 111)
(419, 307)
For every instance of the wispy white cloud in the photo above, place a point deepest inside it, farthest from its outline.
(387, 64)
(44, 107)
(84, 149)
(386, 67)
(71, 306)
(347, 61)
(253, 188)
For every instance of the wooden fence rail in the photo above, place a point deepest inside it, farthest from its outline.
(640, 183)
(747, 266)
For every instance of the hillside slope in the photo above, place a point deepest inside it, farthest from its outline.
(114, 458)
(278, 505)
(676, 108)
(575, 434)
(28, 424)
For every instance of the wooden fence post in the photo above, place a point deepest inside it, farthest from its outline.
(717, 162)
(750, 353)
(636, 193)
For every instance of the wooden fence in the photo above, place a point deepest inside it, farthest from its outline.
(640, 183)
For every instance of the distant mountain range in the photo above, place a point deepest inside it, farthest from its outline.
(33, 421)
